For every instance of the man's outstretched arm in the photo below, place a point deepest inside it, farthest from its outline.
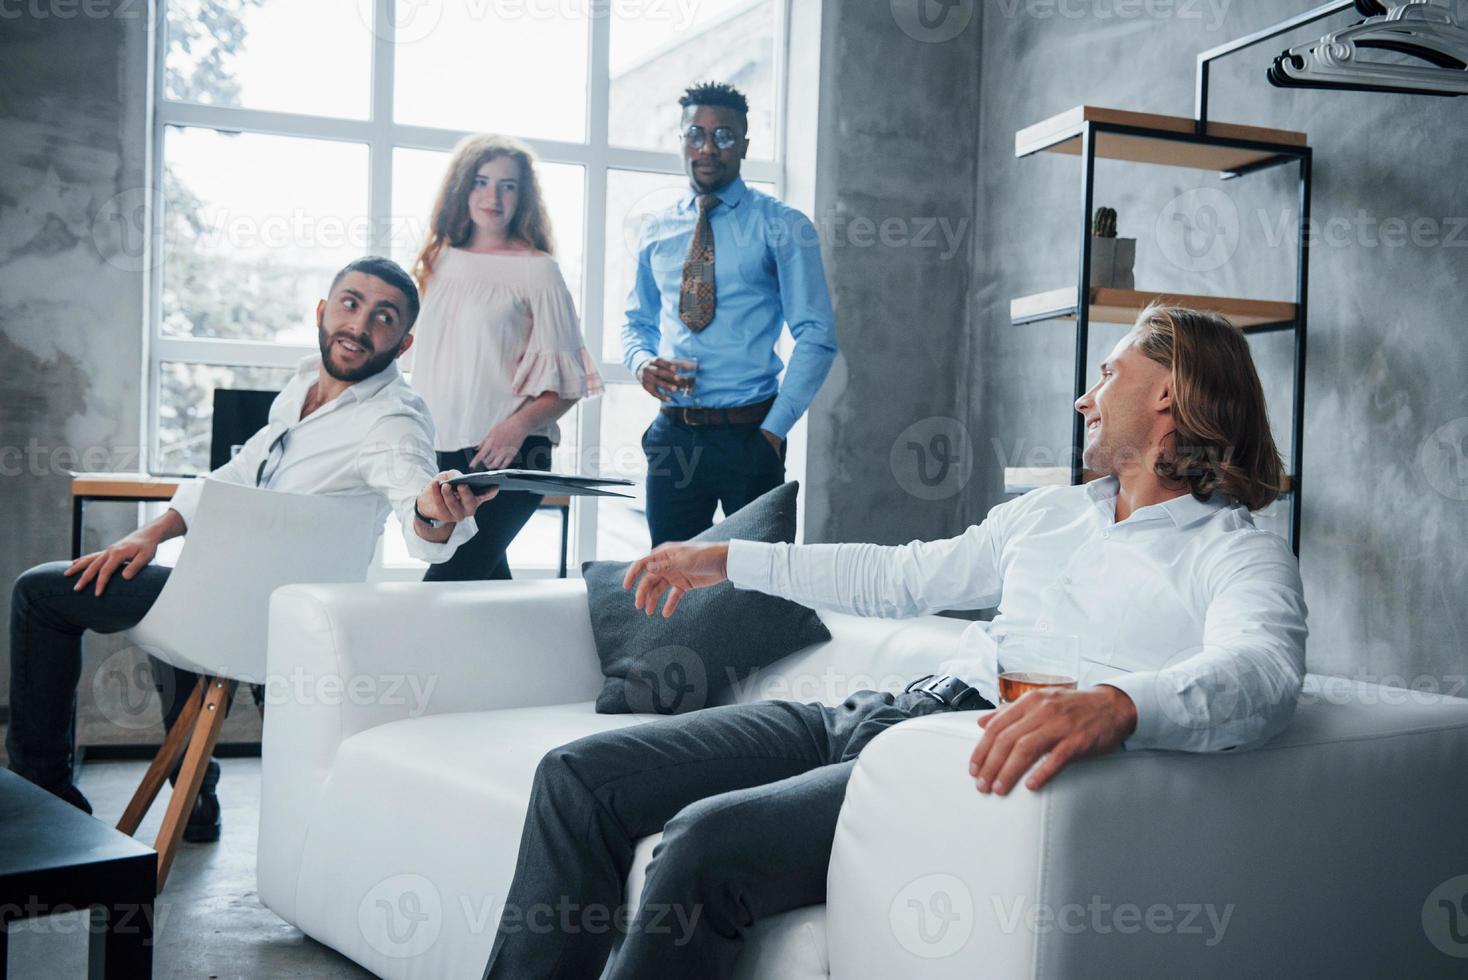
(861, 579)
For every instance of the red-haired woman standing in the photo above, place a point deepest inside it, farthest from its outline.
(499, 355)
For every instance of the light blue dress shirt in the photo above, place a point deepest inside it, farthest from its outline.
(767, 273)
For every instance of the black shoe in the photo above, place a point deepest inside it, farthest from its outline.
(204, 824)
(72, 795)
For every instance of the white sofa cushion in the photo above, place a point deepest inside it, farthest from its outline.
(449, 794)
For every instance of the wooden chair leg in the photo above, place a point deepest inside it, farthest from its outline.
(163, 763)
(191, 776)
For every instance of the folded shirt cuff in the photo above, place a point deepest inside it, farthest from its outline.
(185, 500)
(748, 566)
(1141, 687)
(779, 421)
(638, 359)
(434, 552)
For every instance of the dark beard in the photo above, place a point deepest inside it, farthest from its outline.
(373, 364)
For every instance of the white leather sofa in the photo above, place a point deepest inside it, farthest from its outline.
(405, 723)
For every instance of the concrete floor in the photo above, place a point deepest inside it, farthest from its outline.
(208, 923)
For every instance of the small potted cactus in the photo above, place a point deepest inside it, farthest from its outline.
(1112, 258)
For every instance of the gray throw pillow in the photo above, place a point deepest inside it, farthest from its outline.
(718, 637)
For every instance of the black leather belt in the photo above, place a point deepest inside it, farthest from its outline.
(949, 691)
(738, 415)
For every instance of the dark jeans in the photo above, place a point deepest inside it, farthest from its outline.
(47, 619)
(693, 469)
(746, 796)
(499, 520)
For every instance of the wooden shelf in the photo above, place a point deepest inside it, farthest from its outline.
(1061, 134)
(1023, 479)
(1123, 306)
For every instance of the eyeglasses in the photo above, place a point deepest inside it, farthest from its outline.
(271, 463)
(694, 137)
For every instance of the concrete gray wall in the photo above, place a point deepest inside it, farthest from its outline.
(1386, 448)
(72, 119)
(72, 142)
(894, 203)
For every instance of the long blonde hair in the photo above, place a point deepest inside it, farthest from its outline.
(1221, 440)
(450, 224)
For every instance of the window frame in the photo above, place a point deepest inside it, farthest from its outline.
(381, 135)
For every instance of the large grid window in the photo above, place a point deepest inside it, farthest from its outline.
(292, 137)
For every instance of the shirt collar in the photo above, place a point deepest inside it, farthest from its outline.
(309, 368)
(732, 195)
(1184, 511)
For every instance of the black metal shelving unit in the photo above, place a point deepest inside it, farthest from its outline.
(1234, 151)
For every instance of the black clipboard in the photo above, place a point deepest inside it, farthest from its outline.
(541, 482)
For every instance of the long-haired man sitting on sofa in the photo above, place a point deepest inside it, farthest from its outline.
(1191, 627)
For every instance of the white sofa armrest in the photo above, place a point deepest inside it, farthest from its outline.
(345, 658)
(1316, 854)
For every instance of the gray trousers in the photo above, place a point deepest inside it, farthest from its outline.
(747, 798)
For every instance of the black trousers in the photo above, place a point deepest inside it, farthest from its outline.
(691, 470)
(499, 520)
(47, 620)
(747, 798)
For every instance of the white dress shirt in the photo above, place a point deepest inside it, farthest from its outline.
(1198, 615)
(375, 437)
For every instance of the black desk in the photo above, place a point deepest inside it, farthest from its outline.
(55, 858)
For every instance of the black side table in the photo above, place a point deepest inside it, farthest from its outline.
(54, 858)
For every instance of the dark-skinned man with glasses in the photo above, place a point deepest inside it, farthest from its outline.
(346, 423)
(718, 275)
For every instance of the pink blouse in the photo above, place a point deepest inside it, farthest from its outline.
(494, 332)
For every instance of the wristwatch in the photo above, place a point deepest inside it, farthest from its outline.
(434, 524)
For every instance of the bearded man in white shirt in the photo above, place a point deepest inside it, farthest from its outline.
(346, 423)
(1190, 622)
